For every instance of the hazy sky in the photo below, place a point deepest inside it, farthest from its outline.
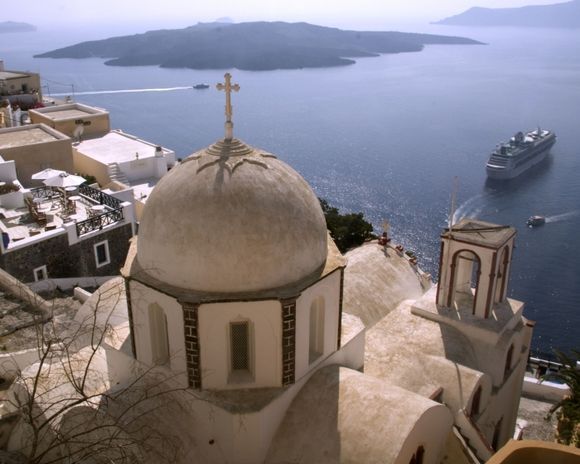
(187, 12)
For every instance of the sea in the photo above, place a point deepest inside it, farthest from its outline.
(386, 136)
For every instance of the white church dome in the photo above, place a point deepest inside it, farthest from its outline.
(232, 218)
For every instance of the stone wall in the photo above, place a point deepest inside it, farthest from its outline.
(62, 260)
(190, 325)
(288, 341)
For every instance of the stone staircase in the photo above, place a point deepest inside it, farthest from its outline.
(115, 174)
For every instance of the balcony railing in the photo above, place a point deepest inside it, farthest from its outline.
(100, 221)
(44, 192)
(93, 223)
(100, 197)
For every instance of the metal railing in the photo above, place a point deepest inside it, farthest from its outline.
(100, 221)
(100, 197)
(93, 223)
(44, 192)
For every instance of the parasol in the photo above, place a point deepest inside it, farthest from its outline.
(47, 174)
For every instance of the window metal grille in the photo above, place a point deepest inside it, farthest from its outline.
(240, 345)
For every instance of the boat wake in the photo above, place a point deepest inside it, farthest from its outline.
(563, 217)
(107, 92)
(472, 207)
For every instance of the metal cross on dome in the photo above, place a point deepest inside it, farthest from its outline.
(228, 87)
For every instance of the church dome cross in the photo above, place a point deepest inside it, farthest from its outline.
(228, 87)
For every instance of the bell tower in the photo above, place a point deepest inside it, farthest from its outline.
(474, 266)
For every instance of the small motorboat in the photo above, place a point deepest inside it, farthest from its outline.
(201, 86)
(535, 221)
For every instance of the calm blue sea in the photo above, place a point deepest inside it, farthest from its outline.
(387, 136)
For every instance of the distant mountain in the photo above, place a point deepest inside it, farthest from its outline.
(225, 19)
(11, 26)
(249, 46)
(564, 15)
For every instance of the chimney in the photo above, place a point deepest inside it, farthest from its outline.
(2, 65)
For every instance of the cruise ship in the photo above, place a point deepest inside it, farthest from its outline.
(520, 153)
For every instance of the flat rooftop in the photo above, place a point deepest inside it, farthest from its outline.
(27, 135)
(117, 147)
(69, 111)
(5, 75)
(66, 114)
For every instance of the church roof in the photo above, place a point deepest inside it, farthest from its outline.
(342, 415)
(376, 280)
(422, 356)
(404, 349)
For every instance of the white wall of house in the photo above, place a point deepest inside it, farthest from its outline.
(144, 168)
(7, 170)
(11, 200)
(86, 165)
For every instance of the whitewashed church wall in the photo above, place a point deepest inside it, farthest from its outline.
(213, 431)
(141, 298)
(121, 367)
(430, 432)
(351, 355)
(223, 436)
(459, 383)
(504, 404)
(329, 289)
(265, 320)
(491, 354)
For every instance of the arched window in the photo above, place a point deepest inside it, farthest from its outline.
(475, 402)
(466, 269)
(158, 335)
(417, 458)
(500, 288)
(508, 362)
(316, 335)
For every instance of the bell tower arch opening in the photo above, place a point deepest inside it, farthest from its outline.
(474, 267)
(464, 283)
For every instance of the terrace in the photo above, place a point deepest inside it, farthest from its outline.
(49, 211)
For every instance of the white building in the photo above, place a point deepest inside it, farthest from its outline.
(42, 239)
(121, 161)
